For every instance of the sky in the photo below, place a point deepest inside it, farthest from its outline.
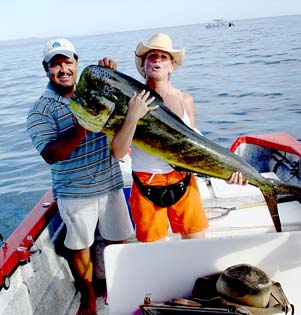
(44, 18)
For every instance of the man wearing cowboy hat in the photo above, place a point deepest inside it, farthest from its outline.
(181, 208)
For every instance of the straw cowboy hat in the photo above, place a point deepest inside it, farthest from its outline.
(240, 289)
(159, 41)
(245, 286)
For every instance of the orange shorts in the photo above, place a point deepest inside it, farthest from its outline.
(185, 217)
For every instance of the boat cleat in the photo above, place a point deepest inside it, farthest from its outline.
(34, 250)
(25, 253)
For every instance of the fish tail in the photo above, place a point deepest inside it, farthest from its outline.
(271, 200)
(271, 195)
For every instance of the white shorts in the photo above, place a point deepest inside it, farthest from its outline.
(81, 217)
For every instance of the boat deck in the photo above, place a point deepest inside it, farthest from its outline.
(45, 285)
(248, 222)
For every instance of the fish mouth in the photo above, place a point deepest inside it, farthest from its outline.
(84, 118)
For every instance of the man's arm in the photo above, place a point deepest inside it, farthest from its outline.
(60, 149)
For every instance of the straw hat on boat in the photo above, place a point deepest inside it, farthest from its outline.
(159, 41)
(246, 287)
(245, 284)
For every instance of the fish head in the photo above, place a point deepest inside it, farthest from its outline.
(100, 94)
(90, 105)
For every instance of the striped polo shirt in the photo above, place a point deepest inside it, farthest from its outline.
(90, 170)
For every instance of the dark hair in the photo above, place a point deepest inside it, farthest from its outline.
(45, 64)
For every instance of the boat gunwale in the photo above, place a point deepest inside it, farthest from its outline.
(279, 141)
(25, 235)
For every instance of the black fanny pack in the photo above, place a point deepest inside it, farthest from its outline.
(163, 196)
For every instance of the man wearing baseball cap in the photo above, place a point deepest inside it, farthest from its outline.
(59, 46)
(86, 180)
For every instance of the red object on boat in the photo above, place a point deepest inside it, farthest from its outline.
(278, 141)
(15, 250)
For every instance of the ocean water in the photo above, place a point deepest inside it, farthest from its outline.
(244, 80)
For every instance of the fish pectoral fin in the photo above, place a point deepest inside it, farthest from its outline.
(271, 200)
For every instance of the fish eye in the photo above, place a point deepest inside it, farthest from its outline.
(106, 89)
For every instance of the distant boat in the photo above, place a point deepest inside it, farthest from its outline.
(219, 23)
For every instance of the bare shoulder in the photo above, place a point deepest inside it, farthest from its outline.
(189, 107)
(186, 96)
(188, 101)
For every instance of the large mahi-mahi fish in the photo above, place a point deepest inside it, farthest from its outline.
(101, 104)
